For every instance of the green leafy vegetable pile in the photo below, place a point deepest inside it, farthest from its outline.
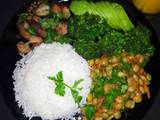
(91, 36)
(87, 27)
(61, 86)
(138, 41)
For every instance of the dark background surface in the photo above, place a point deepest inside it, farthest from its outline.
(8, 8)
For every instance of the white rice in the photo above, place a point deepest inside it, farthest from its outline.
(35, 93)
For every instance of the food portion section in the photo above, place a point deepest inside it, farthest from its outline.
(100, 33)
(52, 82)
(90, 34)
(119, 82)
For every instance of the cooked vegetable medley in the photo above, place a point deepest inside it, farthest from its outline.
(102, 33)
(118, 83)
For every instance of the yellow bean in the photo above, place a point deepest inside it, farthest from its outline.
(131, 88)
(140, 82)
(135, 77)
(97, 71)
(141, 88)
(129, 80)
(117, 114)
(115, 60)
(142, 72)
(97, 61)
(121, 74)
(140, 58)
(135, 68)
(103, 60)
(124, 59)
(98, 118)
(143, 77)
(104, 73)
(119, 99)
(130, 58)
(149, 77)
(84, 118)
(132, 94)
(119, 106)
(95, 101)
(105, 115)
(93, 74)
(130, 104)
(91, 62)
(110, 112)
(137, 98)
(89, 98)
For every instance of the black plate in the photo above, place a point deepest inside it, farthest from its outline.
(10, 56)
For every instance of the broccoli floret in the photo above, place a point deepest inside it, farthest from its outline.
(87, 27)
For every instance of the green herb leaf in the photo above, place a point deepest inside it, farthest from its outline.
(31, 30)
(51, 78)
(90, 111)
(24, 16)
(99, 91)
(124, 88)
(64, 39)
(109, 99)
(50, 36)
(115, 79)
(99, 87)
(60, 76)
(76, 96)
(50, 22)
(126, 66)
(60, 87)
(77, 83)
